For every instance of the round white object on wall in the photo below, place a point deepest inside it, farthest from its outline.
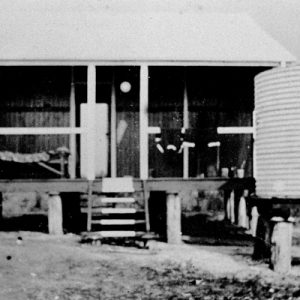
(125, 87)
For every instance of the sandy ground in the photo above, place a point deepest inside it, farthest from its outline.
(45, 267)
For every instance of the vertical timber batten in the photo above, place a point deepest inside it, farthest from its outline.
(144, 83)
(186, 126)
(91, 124)
(113, 134)
(72, 159)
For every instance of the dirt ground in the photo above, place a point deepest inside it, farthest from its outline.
(45, 267)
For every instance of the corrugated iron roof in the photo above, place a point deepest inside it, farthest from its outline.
(95, 33)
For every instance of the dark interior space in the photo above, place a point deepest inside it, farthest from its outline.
(157, 213)
(217, 97)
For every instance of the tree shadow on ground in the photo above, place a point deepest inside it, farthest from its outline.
(201, 229)
(30, 222)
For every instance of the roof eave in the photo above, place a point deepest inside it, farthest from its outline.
(107, 62)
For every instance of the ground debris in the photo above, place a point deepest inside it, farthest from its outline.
(46, 268)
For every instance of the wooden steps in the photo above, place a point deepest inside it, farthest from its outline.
(115, 213)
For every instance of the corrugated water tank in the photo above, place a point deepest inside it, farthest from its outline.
(277, 143)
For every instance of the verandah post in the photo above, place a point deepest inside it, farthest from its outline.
(72, 158)
(91, 126)
(91, 134)
(113, 127)
(144, 78)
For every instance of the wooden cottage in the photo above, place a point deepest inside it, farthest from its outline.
(90, 91)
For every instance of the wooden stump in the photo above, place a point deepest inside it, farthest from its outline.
(262, 247)
(55, 220)
(281, 245)
(173, 219)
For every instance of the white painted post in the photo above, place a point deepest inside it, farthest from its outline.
(91, 123)
(55, 218)
(72, 157)
(228, 208)
(281, 246)
(144, 78)
(90, 206)
(113, 133)
(254, 220)
(232, 207)
(242, 217)
(173, 219)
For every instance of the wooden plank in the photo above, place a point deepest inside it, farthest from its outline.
(113, 128)
(235, 130)
(117, 233)
(117, 200)
(50, 168)
(81, 185)
(154, 130)
(40, 130)
(91, 124)
(173, 219)
(44, 185)
(117, 222)
(118, 210)
(144, 81)
(99, 210)
(55, 219)
(179, 185)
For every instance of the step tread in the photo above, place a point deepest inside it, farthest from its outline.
(118, 222)
(95, 235)
(117, 200)
(103, 210)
